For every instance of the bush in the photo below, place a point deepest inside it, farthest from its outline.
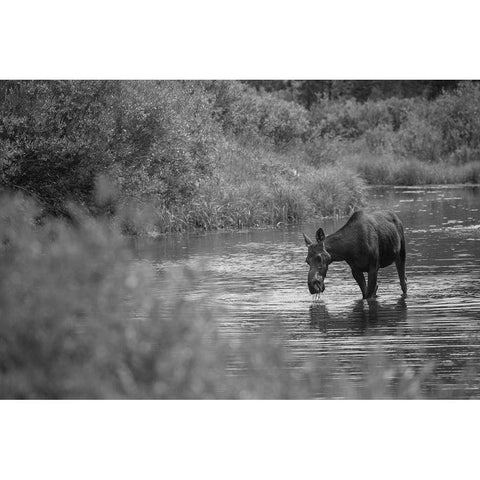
(54, 138)
(60, 293)
(418, 138)
(68, 301)
(247, 114)
(155, 139)
(348, 118)
(166, 142)
(322, 150)
(379, 133)
(456, 115)
(379, 139)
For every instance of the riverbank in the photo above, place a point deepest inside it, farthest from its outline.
(260, 188)
(174, 156)
(253, 186)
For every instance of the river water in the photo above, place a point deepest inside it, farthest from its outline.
(260, 276)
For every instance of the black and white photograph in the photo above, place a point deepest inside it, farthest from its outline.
(255, 239)
(208, 237)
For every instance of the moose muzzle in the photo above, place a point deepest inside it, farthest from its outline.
(315, 283)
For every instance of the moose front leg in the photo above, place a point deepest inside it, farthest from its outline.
(372, 282)
(358, 276)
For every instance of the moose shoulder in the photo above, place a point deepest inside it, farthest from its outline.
(367, 242)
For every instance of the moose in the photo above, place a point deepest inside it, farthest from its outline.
(367, 242)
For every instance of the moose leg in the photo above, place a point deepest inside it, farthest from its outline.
(358, 276)
(400, 264)
(372, 282)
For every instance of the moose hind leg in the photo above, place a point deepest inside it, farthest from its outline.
(400, 264)
(372, 282)
(358, 276)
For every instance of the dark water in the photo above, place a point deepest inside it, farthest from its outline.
(260, 276)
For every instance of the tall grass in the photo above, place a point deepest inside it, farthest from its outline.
(80, 318)
(392, 170)
(254, 186)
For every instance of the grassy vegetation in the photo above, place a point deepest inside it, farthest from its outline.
(253, 187)
(80, 318)
(169, 156)
(401, 141)
(390, 170)
(174, 156)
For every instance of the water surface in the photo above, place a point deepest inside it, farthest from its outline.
(260, 277)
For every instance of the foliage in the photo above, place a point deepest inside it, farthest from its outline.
(54, 137)
(154, 138)
(68, 296)
(456, 115)
(348, 118)
(253, 187)
(175, 155)
(166, 140)
(443, 130)
(417, 138)
(249, 115)
(307, 92)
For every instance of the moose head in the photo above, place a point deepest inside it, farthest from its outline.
(318, 259)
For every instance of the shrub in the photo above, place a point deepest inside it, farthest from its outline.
(418, 138)
(54, 138)
(456, 115)
(156, 139)
(68, 301)
(245, 113)
(348, 118)
(379, 139)
(166, 142)
(60, 303)
(280, 120)
(322, 150)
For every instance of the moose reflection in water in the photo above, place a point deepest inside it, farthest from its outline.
(363, 316)
(367, 242)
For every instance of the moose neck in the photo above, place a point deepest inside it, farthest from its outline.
(336, 247)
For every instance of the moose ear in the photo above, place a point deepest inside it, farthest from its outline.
(308, 242)
(320, 235)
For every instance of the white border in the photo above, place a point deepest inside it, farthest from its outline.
(248, 39)
(238, 440)
(261, 39)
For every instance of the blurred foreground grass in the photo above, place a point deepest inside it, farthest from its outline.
(78, 319)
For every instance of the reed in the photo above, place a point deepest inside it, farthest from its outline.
(392, 170)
